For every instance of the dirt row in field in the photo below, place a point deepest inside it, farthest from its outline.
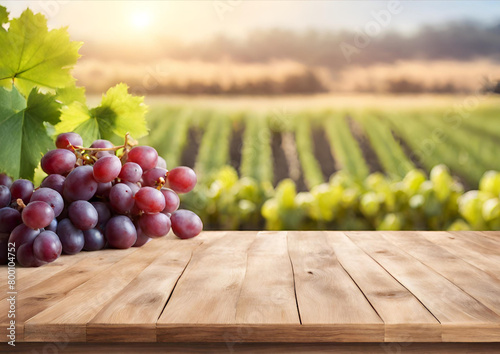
(323, 153)
(370, 156)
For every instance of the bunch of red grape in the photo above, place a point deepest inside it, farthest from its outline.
(92, 199)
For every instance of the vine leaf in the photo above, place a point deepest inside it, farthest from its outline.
(4, 17)
(119, 113)
(23, 131)
(34, 56)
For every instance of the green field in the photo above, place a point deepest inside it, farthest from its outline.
(310, 149)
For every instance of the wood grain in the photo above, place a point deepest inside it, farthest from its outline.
(37, 298)
(237, 288)
(131, 315)
(267, 294)
(469, 252)
(243, 347)
(405, 318)
(454, 308)
(325, 291)
(84, 302)
(209, 289)
(467, 277)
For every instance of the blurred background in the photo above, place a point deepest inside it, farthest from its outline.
(309, 114)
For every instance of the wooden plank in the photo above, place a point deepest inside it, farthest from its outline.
(469, 252)
(458, 312)
(28, 277)
(493, 235)
(209, 289)
(488, 245)
(275, 348)
(131, 315)
(405, 318)
(84, 302)
(467, 277)
(326, 294)
(37, 298)
(267, 294)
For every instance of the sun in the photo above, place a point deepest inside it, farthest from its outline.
(141, 20)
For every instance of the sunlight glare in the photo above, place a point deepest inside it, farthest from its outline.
(141, 20)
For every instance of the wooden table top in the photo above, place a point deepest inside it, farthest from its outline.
(268, 287)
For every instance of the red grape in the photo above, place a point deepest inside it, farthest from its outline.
(65, 140)
(51, 197)
(120, 232)
(186, 224)
(80, 184)
(182, 179)
(152, 177)
(107, 169)
(172, 200)
(131, 172)
(58, 161)
(121, 198)
(21, 189)
(47, 247)
(150, 200)
(37, 215)
(72, 239)
(83, 215)
(55, 182)
(155, 225)
(144, 156)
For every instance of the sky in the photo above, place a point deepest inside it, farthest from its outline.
(195, 20)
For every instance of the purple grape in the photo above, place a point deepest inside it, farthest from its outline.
(55, 182)
(130, 172)
(94, 240)
(182, 179)
(83, 215)
(37, 215)
(107, 168)
(80, 184)
(71, 238)
(21, 189)
(51, 197)
(52, 226)
(172, 200)
(58, 161)
(5, 196)
(26, 256)
(161, 163)
(186, 224)
(102, 144)
(4, 241)
(66, 140)
(9, 219)
(145, 156)
(103, 189)
(120, 232)
(22, 234)
(121, 198)
(154, 225)
(142, 238)
(5, 180)
(150, 200)
(47, 247)
(133, 186)
(152, 178)
(103, 212)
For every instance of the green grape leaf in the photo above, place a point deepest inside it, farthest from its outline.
(4, 18)
(70, 94)
(34, 56)
(119, 113)
(23, 132)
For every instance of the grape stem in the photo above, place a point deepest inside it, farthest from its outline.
(115, 148)
(20, 203)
